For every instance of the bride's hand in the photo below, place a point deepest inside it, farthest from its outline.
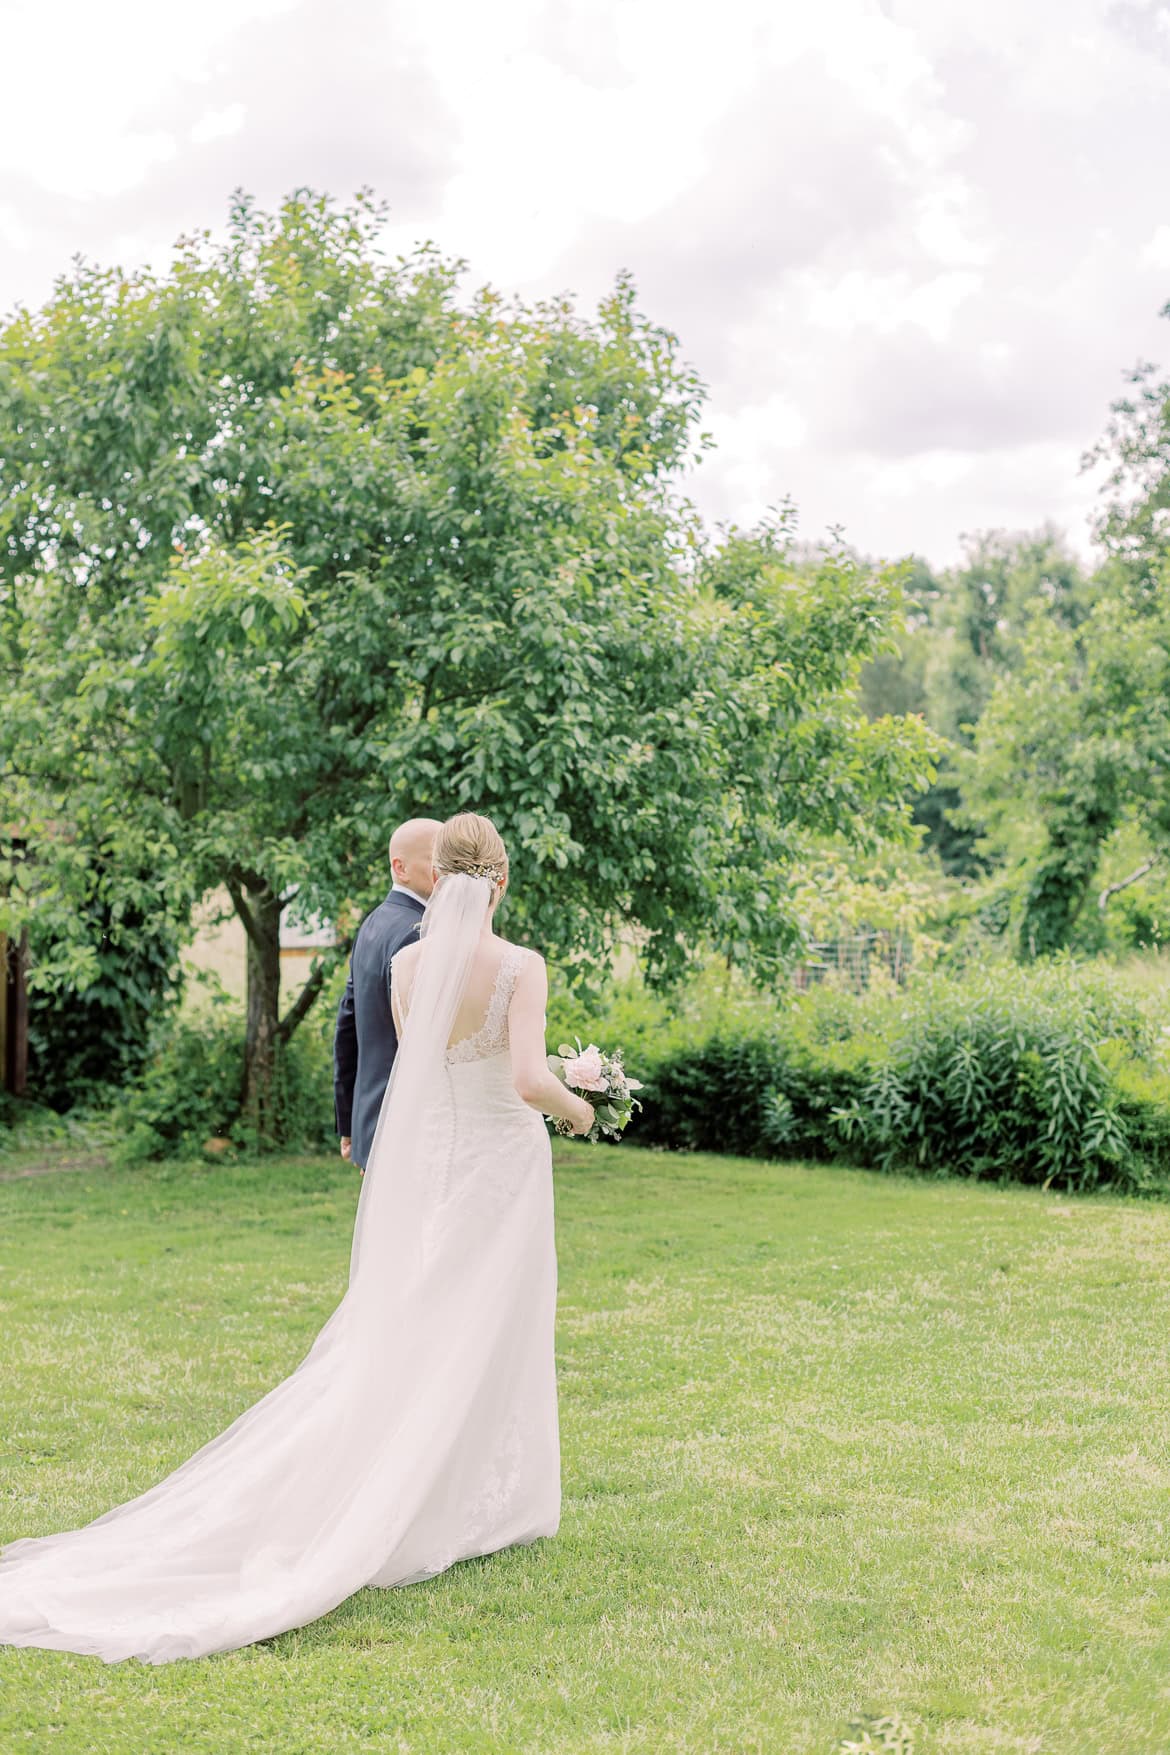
(585, 1121)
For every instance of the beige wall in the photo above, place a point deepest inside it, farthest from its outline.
(222, 949)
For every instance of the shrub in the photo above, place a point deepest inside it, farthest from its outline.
(1042, 1075)
(1143, 1104)
(649, 1026)
(27, 1127)
(762, 1096)
(712, 1097)
(1002, 1076)
(189, 1090)
(86, 1042)
(305, 1085)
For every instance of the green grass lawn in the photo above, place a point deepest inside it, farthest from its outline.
(831, 1441)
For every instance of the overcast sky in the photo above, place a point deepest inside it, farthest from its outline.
(912, 246)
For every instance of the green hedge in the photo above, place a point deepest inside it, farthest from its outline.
(1054, 1075)
(1047, 1076)
(1143, 1105)
(764, 1094)
(1001, 1076)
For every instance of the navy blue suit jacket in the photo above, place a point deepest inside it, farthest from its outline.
(365, 1040)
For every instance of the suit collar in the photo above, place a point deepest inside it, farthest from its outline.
(403, 900)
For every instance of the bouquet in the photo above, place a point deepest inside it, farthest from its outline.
(603, 1081)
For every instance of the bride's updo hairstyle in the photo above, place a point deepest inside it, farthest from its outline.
(471, 844)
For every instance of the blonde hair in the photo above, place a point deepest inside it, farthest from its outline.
(472, 844)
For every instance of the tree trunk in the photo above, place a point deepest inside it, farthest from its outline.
(261, 913)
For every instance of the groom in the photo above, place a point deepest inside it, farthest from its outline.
(365, 1041)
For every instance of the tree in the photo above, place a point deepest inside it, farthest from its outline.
(982, 614)
(894, 682)
(1076, 747)
(1134, 522)
(1077, 744)
(296, 544)
(965, 631)
(85, 1039)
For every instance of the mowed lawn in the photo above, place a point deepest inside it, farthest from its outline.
(832, 1442)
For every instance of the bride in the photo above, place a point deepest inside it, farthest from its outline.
(421, 1427)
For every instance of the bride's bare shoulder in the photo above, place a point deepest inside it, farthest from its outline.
(507, 945)
(404, 960)
(529, 965)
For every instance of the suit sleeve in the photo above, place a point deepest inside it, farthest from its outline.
(345, 1057)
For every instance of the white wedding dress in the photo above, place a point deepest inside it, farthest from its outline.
(420, 1429)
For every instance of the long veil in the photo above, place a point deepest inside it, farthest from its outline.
(300, 1501)
(396, 1189)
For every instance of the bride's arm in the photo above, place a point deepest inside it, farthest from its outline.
(530, 1071)
(399, 991)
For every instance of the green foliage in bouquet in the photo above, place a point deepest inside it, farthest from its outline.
(607, 1086)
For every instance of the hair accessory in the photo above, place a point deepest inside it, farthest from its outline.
(476, 869)
(481, 868)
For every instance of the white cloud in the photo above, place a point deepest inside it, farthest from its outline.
(217, 124)
(911, 248)
(750, 440)
(78, 77)
(1156, 250)
(13, 230)
(855, 300)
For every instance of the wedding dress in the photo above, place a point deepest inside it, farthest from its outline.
(420, 1429)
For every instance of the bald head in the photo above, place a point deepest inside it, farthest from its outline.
(411, 847)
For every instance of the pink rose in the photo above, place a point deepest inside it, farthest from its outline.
(584, 1070)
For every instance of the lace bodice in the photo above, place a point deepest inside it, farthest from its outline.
(492, 1036)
